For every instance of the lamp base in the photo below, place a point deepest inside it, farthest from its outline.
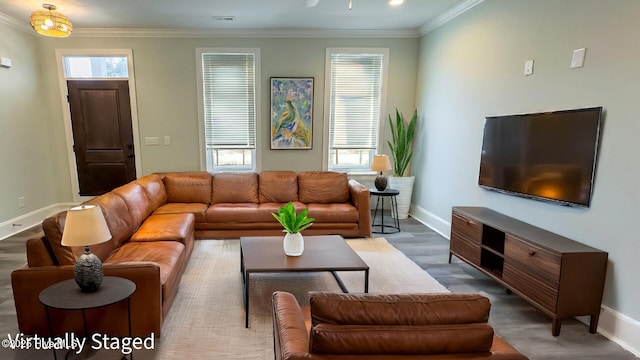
(88, 271)
(381, 182)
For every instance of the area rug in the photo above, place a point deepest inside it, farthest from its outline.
(206, 320)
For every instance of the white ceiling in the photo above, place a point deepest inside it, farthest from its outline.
(249, 14)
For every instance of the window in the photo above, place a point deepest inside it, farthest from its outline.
(229, 102)
(356, 79)
(96, 67)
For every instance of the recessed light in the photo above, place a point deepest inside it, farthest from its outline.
(395, 2)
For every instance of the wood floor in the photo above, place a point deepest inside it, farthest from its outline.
(512, 318)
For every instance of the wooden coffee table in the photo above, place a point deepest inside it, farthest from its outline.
(321, 253)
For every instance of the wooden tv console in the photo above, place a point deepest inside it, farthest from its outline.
(560, 277)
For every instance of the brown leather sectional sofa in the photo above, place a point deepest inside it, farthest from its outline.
(376, 326)
(153, 222)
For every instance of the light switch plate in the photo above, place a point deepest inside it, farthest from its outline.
(577, 60)
(152, 140)
(5, 62)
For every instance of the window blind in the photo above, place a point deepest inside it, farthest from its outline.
(356, 90)
(229, 100)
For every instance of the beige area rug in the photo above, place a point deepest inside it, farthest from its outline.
(206, 320)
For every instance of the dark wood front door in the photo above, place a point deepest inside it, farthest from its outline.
(102, 134)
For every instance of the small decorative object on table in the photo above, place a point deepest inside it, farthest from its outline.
(85, 225)
(293, 224)
(381, 163)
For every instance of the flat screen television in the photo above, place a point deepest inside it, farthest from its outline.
(544, 156)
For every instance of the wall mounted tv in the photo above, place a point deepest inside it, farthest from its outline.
(544, 156)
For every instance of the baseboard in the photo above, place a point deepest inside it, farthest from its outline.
(29, 220)
(620, 329)
(613, 325)
(431, 220)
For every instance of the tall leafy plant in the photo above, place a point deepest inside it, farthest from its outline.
(401, 141)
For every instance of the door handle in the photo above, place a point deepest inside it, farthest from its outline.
(130, 155)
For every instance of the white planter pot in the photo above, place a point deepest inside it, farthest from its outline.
(404, 184)
(293, 244)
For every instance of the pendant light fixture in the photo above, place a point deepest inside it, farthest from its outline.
(49, 22)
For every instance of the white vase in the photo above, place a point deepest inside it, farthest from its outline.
(293, 244)
(404, 184)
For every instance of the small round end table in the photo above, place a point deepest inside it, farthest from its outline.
(382, 194)
(66, 295)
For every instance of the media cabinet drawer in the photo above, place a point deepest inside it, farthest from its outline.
(467, 228)
(465, 248)
(533, 288)
(533, 260)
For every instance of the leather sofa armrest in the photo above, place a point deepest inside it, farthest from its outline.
(360, 199)
(146, 301)
(503, 350)
(290, 336)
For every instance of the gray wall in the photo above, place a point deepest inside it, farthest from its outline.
(165, 73)
(472, 67)
(26, 163)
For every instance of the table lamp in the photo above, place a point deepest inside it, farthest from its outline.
(85, 225)
(381, 163)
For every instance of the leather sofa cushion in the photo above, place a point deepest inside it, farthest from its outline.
(323, 187)
(192, 187)
(119, 220)
(154, 187)
(197, 209)
(166, 227)
(39, 252)
(235, 188)
(277, 186)
(137, 201)
(398, 309)
(53, 228)
(236, 213)
(333, 213)
(167, 254)
(405, 339)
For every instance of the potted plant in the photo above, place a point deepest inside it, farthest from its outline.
(400, 145)
(293, 224)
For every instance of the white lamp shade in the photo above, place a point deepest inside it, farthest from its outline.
(381, 163)
(85, 225)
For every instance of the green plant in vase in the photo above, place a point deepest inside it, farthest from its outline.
(401, 142)
(293, 224)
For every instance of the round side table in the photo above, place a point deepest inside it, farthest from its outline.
(66, 295)
(391, 194)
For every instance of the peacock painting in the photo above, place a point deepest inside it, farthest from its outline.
(291, 113)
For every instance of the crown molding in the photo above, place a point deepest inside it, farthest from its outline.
(16, 24)
(243, 33)
(447, 16)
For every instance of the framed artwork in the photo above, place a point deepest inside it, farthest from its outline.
(291, 113)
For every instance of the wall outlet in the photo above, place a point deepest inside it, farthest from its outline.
(21, 202)
(528, 67)
(167, 140)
